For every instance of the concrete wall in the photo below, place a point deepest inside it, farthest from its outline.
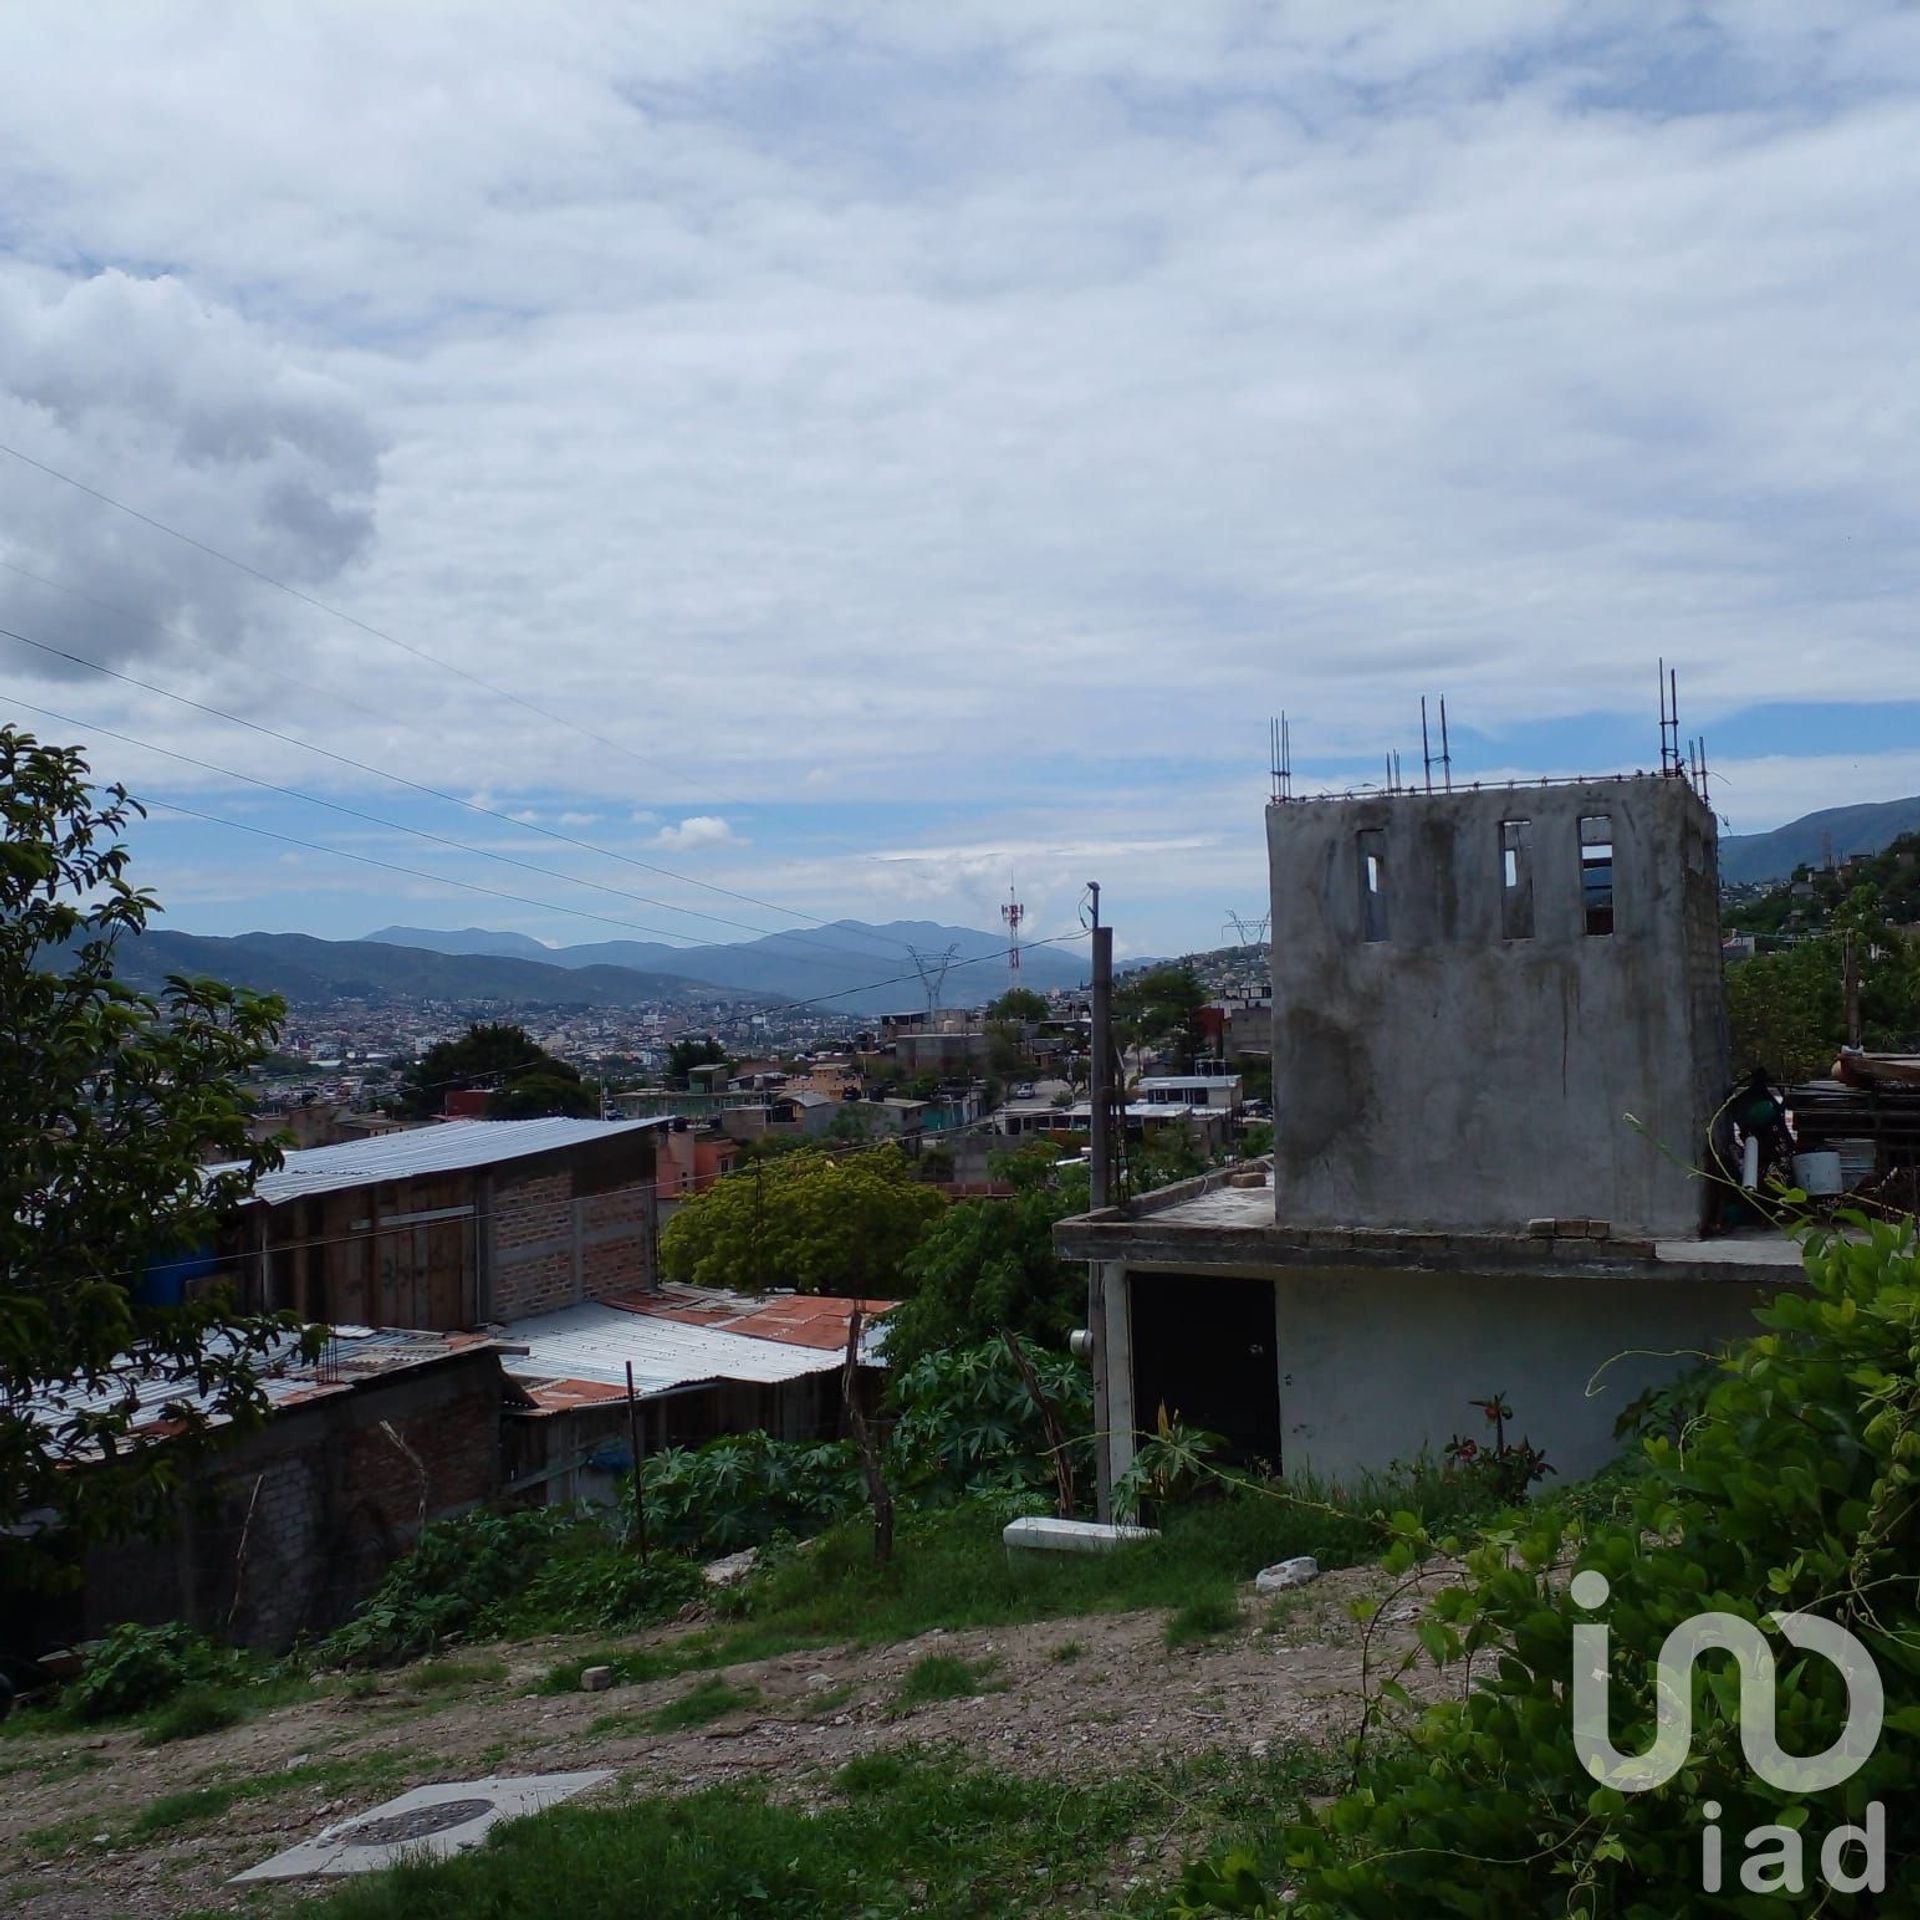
(1448, 1075)
(1377, 1367)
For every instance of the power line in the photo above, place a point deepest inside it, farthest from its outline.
(337, 613)
(474, 806)
(417, 786)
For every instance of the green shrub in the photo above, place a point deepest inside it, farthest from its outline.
(743, 1488)
(528, 1570)
(1205, 1617)
(968, 1424)
(707, 1700)
(137, 1668)
(942, 1676)
(1795, 1488)
(188, 1715)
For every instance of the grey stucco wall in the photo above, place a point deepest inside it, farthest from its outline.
(1449, 1076)
(1377, 1368)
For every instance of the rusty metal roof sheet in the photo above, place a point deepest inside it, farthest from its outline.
(596, 1342)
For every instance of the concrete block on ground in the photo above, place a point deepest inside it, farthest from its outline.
(1039, 1534)
(1302, 1570)
(434, 1821)
(596, 1679)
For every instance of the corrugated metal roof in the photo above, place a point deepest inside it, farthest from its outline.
(596, 1342)
(444, 1148)
(351, 1355)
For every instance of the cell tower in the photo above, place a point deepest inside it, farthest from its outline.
(1012, 914)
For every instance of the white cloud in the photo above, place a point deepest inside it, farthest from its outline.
(701, 830)
(984, 407)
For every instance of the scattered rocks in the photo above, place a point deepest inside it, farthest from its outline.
(1300, 1571)
(731, 1571)
(596, 1679)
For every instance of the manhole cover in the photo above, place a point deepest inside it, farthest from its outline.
(398, 1828)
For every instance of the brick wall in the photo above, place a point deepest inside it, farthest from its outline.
(552, 1250)
(286, 1534)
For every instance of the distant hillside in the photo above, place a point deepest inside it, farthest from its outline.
(305, 969)
(510, 946)
(853, 966)
(1754, 858)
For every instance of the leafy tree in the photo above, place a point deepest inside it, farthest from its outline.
(1160, 1009)
(820, 1221)
(110, 1099)
(684, 1055)
(535, 1096)
(497, 1055)
(989, 1264)
(968, 1423)
(1020, 1005)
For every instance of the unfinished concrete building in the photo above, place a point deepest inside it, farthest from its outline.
(1499, 1043)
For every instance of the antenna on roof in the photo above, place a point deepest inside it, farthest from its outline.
(1670, 758)
(1446, 752)
(1280, 744)
(1391, 783)
(1426, 749)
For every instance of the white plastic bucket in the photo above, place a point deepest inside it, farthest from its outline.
(1817, 1173)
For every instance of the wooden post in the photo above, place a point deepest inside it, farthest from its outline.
(639, 1464)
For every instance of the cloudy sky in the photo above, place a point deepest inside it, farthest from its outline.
(854, 456)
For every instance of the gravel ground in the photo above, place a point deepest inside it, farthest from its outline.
(1069, 1699)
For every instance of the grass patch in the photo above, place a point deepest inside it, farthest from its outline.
(446, 1676)
(213, 1798)
(708, 1700)
(942, 1676)
(44, 1843)
(198, 1711)
(1205, 1617)
(828, 1700)
(902, 1834)
(1067, 1652)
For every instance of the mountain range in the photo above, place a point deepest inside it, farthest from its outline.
(866, 968)
(849, 967)
(1750, 858)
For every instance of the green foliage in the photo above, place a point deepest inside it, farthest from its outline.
(701, 1050)
(1797, 1488)
(111, 1100)
(531, 1569)
(706, 1701)
(1019, 1004)
(743, 1488)
(942, 1676)
(818, 1221)
(1160, 1008)
(527, 1081)
(1210, 1613)
(988, 1264)
(1173, 1463)
(968, 1424)
(1786, 1011)
(135, 1669)
(197, 1711)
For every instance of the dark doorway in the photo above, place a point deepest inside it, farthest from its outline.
(1204, 1349)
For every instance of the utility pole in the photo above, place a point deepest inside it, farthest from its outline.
(1101, 1185)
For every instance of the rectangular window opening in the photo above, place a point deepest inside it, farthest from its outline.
(1596, 872)
(1373, 884)
(1516, 879)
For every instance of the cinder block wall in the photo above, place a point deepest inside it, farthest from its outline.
(1446, 1074)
